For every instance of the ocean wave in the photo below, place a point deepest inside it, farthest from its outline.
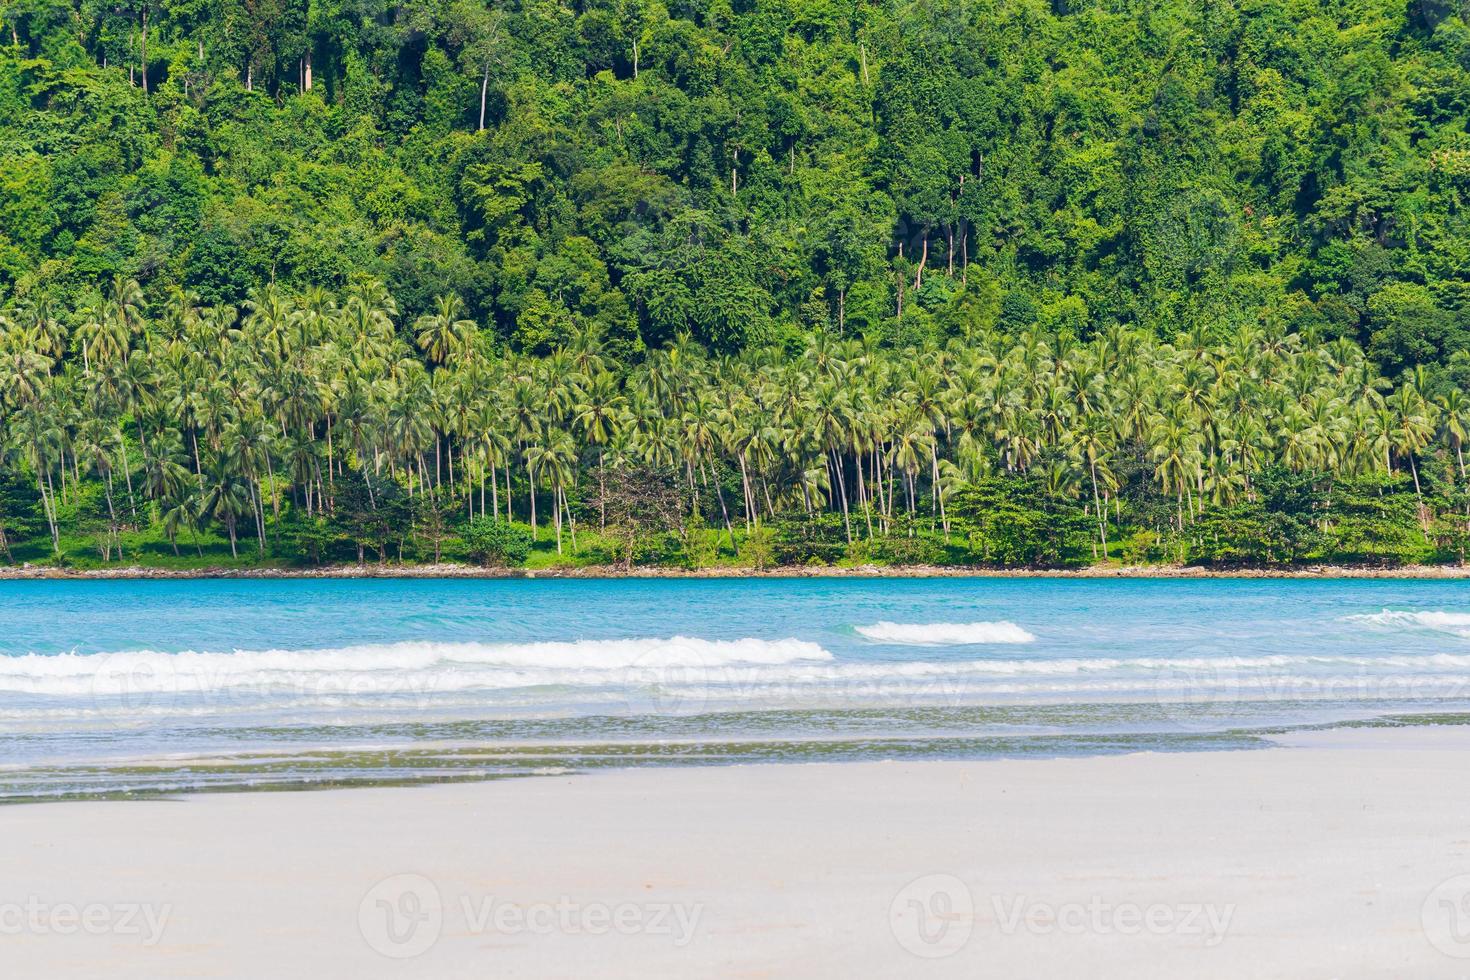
(1457, 623)
(515, 676)
(393, 666)
(945, 634)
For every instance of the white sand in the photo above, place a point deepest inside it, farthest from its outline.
(1317, 860)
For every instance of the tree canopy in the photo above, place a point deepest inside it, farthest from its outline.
(1097, 277)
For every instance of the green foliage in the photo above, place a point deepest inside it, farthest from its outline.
(758, 550)
(737, 173)
(491, 541)
(20, 515)
(304, 538)
(701, 545)
(1376, 521)
(1277, 525)
(998, 282)
(809, 539)
(914, 545)
(1013, 521)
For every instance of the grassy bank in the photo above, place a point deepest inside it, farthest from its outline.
(148, 554)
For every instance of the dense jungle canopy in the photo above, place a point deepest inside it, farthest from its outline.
(1005, 282)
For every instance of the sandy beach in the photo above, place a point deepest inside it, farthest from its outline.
(1335, 855)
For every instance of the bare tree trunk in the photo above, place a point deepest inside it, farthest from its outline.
(143, 53)
(531, 481)
(484, 91)
(1102, 514)
(571, 521)
(842, 490)
(745, 487)
(122, 454)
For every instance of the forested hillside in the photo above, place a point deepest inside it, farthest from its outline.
(1002, 282)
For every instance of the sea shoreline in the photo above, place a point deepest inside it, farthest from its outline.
(613, 572)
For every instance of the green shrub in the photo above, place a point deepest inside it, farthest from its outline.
(924, 547)
(812, 539)
(491, 541)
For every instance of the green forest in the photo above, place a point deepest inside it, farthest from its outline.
(749, 283)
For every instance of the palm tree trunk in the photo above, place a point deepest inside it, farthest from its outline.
(259, 516)
(938, 493)
(531, 481)
(1102, 517)
(745, 488)
(720, 495)
(50, 507)
(111, 511)
(1423, 513)
(484, 90)
(571, 521)
(836, 463)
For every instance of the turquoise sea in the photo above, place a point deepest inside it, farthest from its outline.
(147, 687)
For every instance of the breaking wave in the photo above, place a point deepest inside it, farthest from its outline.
(1444, 622)
(440, 666)
(944, 634)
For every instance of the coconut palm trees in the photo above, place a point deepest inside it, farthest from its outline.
(446, 332)
(213, 412)
(1454, 423)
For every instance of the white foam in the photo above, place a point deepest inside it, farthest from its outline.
(392, 666)
(943, 634)
(1445, 622)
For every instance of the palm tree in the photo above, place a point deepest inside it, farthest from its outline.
(445, 333)
(1454, 423)
(1413, 428)
(182, 509)
(238, 405)
(597, 413)
(1093, 441)
(226, 498)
